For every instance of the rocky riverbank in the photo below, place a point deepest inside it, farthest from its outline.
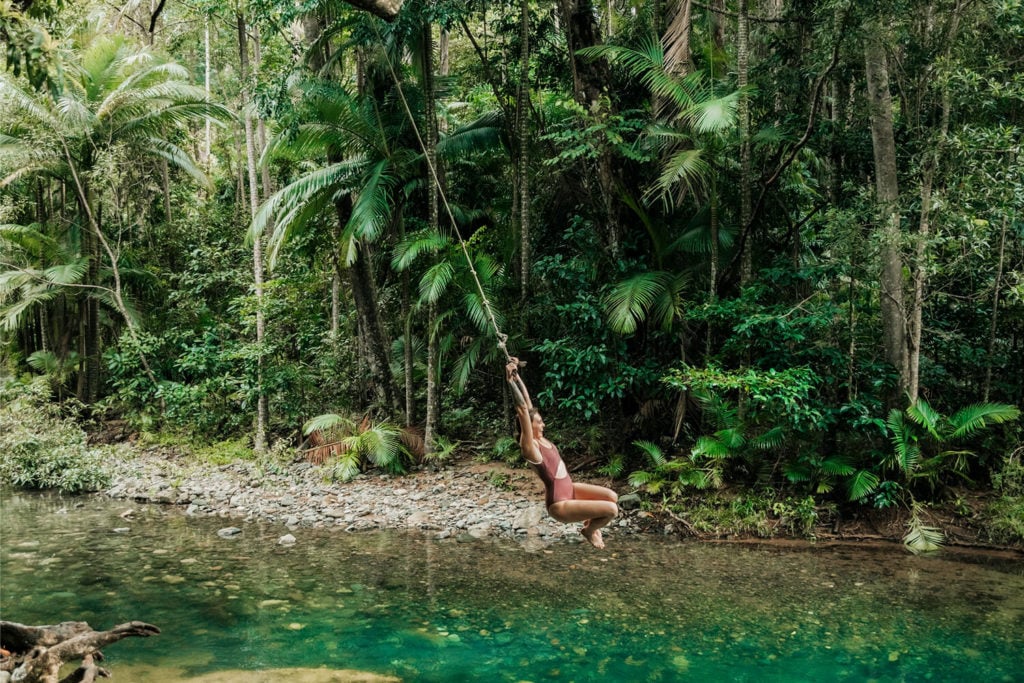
(464, 499)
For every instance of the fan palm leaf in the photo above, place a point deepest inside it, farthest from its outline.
(973, 418)
(629, 301)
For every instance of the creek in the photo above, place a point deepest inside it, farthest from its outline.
(338, 606)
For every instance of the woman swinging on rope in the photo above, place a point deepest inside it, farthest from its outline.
(567, 501)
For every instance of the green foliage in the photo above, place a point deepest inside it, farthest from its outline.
(499, 480)
(920, 436)
(506, 449)
(360, 445)
(1005, 514)
(671, 476)
(41, 448)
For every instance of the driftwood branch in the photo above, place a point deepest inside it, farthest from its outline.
(35, 654)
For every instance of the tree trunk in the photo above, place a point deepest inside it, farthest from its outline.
(924, 227)
(522, 133)
(590, 82)
(995, 314)
(887, 198)
(262, 408)
(208, 137)
(742, 67)
(430, 121)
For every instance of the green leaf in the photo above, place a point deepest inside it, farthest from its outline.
(327, 422)
(861, 484)
(976, 417)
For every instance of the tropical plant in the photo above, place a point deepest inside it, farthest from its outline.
(43, 448)
(924, 441)
(115, 104)
(671, 476)
(353, 444)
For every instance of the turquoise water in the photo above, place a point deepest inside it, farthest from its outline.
(403, 606)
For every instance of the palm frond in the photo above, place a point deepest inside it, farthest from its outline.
(715, 115)
(435, 281)
(837, 466)
(773, 438)
(327, 422)
(628, 302)
(923, 414)
(710, 447)
(463, 367)
(687, 168)
(652, 451)
(973, 418)
(67, 273)
(179, 158)
(372, 208)
(316, 187)
(410, 249)
(920, 537)
(23, 101)
(862, 484)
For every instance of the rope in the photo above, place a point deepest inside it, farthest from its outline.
(501, 337)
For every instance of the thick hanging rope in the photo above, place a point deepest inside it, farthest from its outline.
(501, 337)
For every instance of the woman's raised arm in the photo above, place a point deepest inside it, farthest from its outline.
(523, 407)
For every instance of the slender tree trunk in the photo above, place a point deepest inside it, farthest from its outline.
(993, 323)
(920, 252)
(742, 66)
(91, 306)
(590, 80)
(208, 137)
(523, 129)
(887, 198)
(713, 274)
(430, 121)
(262, 408)
(165, 178)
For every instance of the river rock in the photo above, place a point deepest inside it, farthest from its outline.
(287, 539)
(629, 501)
(229, 532)
(528, 517)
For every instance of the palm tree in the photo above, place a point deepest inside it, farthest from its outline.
(115, 103)
(359, 185)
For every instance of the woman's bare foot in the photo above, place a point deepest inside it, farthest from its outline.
(594, 537)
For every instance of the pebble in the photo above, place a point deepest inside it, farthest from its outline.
(456, 502)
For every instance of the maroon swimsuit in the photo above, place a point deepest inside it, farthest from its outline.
(557, 489)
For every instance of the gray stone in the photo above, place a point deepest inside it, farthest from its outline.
(229, 531)
(287, 539)
(480, 531)
(122, 530)
(629, 501)
(528, 517)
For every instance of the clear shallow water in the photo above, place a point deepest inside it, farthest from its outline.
(415, 609)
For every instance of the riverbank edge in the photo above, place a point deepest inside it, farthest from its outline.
(466, 499)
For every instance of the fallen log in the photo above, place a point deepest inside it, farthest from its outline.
(35, 654)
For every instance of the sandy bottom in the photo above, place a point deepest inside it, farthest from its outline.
(145, 674)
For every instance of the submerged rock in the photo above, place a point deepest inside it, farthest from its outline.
(229, 532)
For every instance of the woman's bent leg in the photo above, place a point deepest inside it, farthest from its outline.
(593, 492)
(594, 513)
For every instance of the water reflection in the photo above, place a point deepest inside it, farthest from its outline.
(397, 605)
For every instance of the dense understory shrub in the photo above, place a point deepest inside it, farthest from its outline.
(41, 448)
